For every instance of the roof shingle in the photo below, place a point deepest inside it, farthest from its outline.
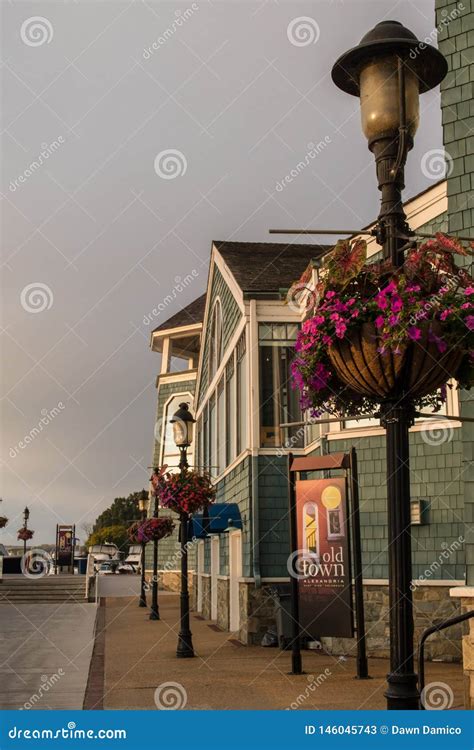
(267, 266)
(189, 315)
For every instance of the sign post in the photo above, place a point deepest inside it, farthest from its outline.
(296, 664)
(321, 580)
(65, 538)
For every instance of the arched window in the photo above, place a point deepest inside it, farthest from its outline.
(311, 529)
(217, 339)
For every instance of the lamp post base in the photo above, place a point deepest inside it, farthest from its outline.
(154, 614)
(185, 648)
(402, 692)
(142, 602)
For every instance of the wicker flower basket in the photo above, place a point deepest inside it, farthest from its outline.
(419, 368)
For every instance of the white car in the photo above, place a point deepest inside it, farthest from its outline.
(106, 569)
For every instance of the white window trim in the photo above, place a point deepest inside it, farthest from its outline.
(242, 328)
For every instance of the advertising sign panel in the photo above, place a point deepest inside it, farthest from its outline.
(323, 559)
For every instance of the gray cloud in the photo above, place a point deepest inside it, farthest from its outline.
(96, 224)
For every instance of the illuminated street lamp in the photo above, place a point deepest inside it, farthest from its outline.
(182, 421)
(388, 71)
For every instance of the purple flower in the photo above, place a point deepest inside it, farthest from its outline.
(470, 322)
(414, 333)
(397, 303)
(379, 321)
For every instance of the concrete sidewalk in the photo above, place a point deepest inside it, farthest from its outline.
(140, 659)
(45, 653)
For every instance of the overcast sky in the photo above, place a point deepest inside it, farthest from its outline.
(103, 228)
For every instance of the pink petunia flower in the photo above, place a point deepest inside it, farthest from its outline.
(414, 333)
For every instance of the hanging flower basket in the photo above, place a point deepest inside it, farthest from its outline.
(3, 522)
(380, 332)
(185, 492)
(151, 529)
(417, 369)
(25, 535)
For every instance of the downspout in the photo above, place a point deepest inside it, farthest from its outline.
(252, 348)
(255, 524)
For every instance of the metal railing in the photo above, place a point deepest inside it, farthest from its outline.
(426, 634)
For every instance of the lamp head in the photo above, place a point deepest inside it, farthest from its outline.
(143, 501)
(370, 71)
(182, 421)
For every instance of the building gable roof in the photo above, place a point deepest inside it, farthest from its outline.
(263, 267)
(189, 315)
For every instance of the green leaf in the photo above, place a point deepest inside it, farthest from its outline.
(345, 262)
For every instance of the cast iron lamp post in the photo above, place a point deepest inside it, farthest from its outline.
(26, 515)
(154, 610)
(388, 70)
(142, 507)
(182, 421)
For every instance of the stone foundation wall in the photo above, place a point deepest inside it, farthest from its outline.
(169, 580)
(206, 598)
(256, 612)
(223, 603)
(431, 605)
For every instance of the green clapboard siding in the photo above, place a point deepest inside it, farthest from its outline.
(231, 315)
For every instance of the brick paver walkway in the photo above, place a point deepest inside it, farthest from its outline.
(140, 657)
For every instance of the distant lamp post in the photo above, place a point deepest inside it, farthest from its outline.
(182, 421)
(142, 507)
(26, 515)
(387, 71)
(154, 610)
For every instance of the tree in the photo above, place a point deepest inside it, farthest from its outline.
(122, 512)
(116, 534)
